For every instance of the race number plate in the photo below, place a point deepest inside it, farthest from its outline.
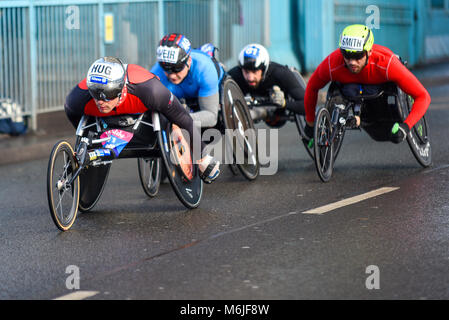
(119, 140)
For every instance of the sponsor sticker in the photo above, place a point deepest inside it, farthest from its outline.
(167, 54)
(252, 52)
(352, 43)
(103, 152)
(119, 139)
(185, 44)
(97, 79)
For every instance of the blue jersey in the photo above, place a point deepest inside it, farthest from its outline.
(201, 81)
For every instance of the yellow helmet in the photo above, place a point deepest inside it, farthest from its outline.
(355, 40)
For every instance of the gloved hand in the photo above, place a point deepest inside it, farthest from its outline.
(82, 155)
(399, 132)
(309, 135)
(308, 131)
(184, 104)
(186, 107)
(277, 96)
(209, 169)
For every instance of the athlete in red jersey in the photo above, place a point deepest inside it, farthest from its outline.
(360, 61)
(112, 88)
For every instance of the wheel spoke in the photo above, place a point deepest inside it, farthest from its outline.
(150, 174)
(244, 139)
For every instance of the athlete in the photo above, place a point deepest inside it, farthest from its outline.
(112, 88)
(359, 63)
(257, 76)
(190, 74)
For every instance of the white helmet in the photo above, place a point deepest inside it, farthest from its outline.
(254, 57)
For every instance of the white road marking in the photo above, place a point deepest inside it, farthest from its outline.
(78, 295)
(349, 201)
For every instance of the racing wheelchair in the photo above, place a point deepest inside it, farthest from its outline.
(276, 117)
(241, 144)
(236, 127)
(77, 176)
(338, 115)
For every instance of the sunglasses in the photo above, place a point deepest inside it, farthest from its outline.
(100, 94)
(173, 68)
(352, 55)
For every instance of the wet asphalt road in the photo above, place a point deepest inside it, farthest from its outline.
(247, 240)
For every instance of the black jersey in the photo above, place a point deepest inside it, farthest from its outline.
(143, 92)
(279, 75)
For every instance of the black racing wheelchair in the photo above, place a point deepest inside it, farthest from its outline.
(77, 176)
(236, 128)
(276, 117)
(379, 107)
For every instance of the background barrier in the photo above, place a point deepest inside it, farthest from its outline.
(46, 46)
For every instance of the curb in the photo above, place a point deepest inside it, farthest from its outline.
(31, 147)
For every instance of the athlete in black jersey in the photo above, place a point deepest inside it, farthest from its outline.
(257, 76)
(112, 88)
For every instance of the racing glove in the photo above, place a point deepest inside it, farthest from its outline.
(309, 135)
(184, 105)
(399, 132)
(277, 96)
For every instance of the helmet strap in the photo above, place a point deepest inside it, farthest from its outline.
(367, 57)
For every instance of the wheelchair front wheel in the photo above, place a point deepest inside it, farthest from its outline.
(323, 149)
(150, 172)
(338, 137)
(63, 197)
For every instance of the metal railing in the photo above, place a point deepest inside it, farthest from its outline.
(46, 46)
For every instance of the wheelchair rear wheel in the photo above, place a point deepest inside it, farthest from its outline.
(323, 148)
(300, 125)
(182, 173)
(243, 139)
(63, 198)
(300, 119)
(418, 138)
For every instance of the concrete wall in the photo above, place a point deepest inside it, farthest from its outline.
(411, 28)
(437, 32)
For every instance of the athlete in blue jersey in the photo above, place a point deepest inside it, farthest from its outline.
(190, 74)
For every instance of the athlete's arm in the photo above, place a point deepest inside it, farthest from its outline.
(75, 103)
(208, 98)
(398, 73)
(318, 80)
(208, 110)
(287, 81)
(155, 96)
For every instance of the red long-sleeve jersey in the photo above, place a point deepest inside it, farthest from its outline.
(383, 66)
